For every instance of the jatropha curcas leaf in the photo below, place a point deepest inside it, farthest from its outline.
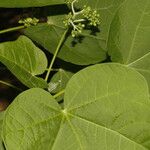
(25, 61)
(90, 46)
(129, 38)
(105, 107)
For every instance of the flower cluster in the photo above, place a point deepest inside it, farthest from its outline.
(77, 29)
(29, 21)
(91, 15)
(78, 20)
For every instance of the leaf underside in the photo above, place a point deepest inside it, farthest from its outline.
(106, 107)
(24, 60)
(129, 38)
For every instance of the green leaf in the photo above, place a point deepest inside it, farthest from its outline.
(24, 60)
(86, 52)
(106, 107)
(129, 36)
(90, 48)
(29, 3)
(107, 10)
(59, 81)
(34, 123)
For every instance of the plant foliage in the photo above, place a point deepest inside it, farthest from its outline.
(94, 113)
(87, 74)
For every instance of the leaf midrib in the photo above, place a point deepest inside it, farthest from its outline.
(30, 62)
(13, 62)
(74, 132)
(34, 124)
(135, 35)
(92, 101)
(139, 59)
(108, 129)
(22, 68)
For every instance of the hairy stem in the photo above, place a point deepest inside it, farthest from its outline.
(11, 29)
(10, 85)
(59, 94)
(55, 54)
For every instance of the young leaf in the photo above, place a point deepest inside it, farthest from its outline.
(59, 80)
(29, 3)
(106, 107)
(129, 39)
(24, 60)
(90, 47)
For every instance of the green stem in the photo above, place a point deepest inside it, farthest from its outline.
(79, 20)
(10, 85)
(55, 54)
(55, 70)
(11, 29)
(59, 94)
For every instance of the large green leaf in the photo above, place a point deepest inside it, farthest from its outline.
(24, 60)
(106, 107)
(28, 3)
(90, 48)
(86, 51)
(129, 39)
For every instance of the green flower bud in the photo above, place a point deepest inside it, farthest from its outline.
(77, 20)
(29, 21)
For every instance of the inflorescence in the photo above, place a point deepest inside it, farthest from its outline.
(29, 21)
(78, 20)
